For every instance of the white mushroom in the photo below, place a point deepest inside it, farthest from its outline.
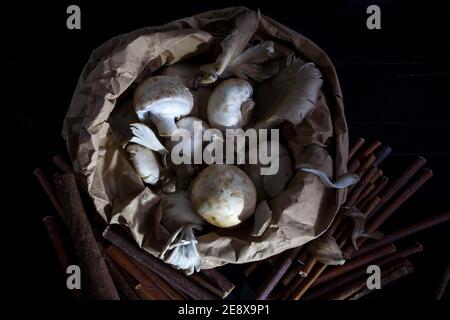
(145, 163)
(194, 145)
(230, 104)
(185, 171)
(162, 99)
(223, 195)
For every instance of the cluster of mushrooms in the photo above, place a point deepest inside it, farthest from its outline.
(229, 93)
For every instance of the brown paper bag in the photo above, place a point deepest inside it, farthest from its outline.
(301, 213)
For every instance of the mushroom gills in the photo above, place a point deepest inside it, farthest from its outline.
(180, 219)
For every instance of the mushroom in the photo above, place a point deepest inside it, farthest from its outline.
(289, 96)
(185, 171)
(180, 219)
(237, 58)
(187, 149)
(270, 186)
(145, 163)
(141, 149)
(230, 104)
(178, 212)
(195, 145)
(223, 195)
(185, 71)
(162, 99)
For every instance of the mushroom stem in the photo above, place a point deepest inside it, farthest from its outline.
(165, 124)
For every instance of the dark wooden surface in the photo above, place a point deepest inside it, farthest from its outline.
(395, 82)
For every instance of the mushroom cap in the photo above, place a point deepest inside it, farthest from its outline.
(164, 96)
(223, 195)
(225, 105)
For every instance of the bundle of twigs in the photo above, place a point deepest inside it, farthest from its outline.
(298, 274)
(114, 267)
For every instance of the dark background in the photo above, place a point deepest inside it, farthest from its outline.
(395, 81)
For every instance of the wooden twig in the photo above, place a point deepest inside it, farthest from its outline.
(119, 280)
(401, 270)
(379, 218)
(309, 281)
(355, 147)
(381, 155)
(355, 263)
(370, 173)
(252, 267)
(59, 161)
(98, 279)
(365, 165)
(169, 274)
(295, 268)
(61, 252)
(368, 150)
(379, 185)
(170, 292)
(443, 283)
(320, 291)
(403, 233)
(398, 200)
(220, 280)
(202, 282)
(121, 259)
(277, 273)
(353, 165)
(364, 193)
(144, 293)
(49, 191)
(395, 185)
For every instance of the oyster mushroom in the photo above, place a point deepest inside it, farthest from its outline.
(162, 99)
(145, 163)
(289, 96)
(178, 212)
(180, 219)
(223, 195)
(142, 148)
(184, 71)
(230, 104)
(270, 186)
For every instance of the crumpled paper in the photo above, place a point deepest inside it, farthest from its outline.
(301, 213)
